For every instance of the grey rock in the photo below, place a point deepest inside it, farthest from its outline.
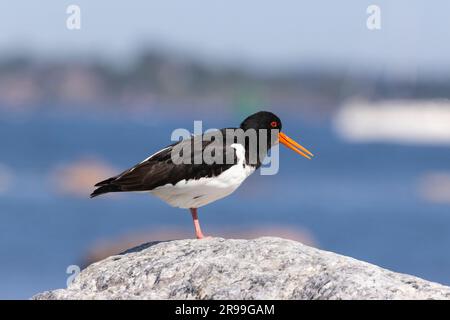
(263, 268)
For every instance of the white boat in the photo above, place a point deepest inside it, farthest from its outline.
(395, 121)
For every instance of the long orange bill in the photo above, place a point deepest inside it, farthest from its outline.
(291, 144)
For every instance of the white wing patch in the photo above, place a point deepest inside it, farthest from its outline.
(146, 159)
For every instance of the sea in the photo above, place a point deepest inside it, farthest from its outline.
(362, 200)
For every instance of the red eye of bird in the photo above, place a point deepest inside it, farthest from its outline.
(273, 124)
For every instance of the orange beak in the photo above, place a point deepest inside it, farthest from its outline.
(291, 144)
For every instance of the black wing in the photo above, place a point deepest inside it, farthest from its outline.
(160, 169)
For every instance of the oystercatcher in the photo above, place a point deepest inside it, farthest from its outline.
(185, 182)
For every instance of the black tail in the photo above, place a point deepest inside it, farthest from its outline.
(105, 189)
(105, 186)
(105, 182)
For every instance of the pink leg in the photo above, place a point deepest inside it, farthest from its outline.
(198, 230)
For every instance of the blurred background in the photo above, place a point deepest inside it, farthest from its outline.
(77, 106)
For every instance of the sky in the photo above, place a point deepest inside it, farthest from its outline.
(268, 34)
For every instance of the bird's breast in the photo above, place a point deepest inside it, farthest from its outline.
(194, 193)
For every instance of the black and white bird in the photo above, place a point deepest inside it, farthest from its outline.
(193, 184)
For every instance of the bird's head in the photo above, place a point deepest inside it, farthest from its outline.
(269, 121)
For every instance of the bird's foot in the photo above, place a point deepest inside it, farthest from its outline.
(201, 236)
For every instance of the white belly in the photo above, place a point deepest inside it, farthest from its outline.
(197, 193)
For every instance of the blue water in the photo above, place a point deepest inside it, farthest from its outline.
(358, 200)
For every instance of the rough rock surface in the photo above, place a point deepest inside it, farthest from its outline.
(264, 268)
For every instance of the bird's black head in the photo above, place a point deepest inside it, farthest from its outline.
(262, 120)
(268, 121)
